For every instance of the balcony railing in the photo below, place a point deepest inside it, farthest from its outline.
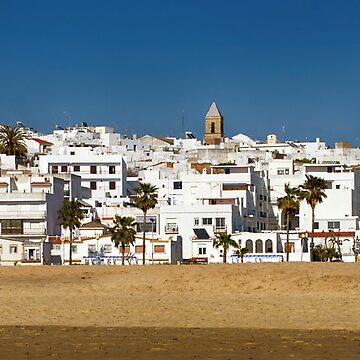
(40, 231)
(171, 229)
(220, 229)
(22, 214)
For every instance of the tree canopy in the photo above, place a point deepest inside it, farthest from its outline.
(70, 216)
(146, 199)
(225, 241)
(12, 141)
(123, 233)
(313, 190)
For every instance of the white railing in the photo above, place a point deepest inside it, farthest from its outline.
(220, 228)
(35, 231)
(171, 229)
(22, 214)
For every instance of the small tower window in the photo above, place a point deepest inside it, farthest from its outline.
(212, 128)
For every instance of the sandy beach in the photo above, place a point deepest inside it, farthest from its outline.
(257, 311)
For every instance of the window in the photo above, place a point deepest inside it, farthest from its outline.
(159, 248)
(107, 249)
(316, 225)
(196, 222)
(171, 225)
(11, 226)
(76, 168)
(227, 171)
(177, 185)
(150, 226)
(64, 168)
(337, 187)
(333, 224)
(202, 250)
(258, 246)
(93, 185)
(220, 224)
(138, 249)
(74, 249)
(112, 169)
(249, 246)
(13, 249)
(283, 171)
(207, 221)
(268, 246)
(212, 127)
(54, 169)
(92, 250)
(93, 169)
(112, 185)
(56, 247)
(1, 251)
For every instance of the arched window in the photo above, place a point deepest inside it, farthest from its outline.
(258, 246)
(268, 246)
(212, 128)
(249, 246)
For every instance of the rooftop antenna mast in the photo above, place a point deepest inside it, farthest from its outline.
(183, 124)
(283, 133)
(67, 116)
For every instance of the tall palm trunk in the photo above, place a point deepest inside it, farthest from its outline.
(70, 254)
(312, 233)
(224, 256)
(287, 235)
(123, 254)
(144, 230)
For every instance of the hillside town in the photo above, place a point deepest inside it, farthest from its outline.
(215, 199)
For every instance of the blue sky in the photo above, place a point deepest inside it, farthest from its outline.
(139, 65)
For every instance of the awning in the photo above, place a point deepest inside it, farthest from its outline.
(201, 234)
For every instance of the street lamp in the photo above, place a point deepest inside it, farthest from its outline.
(356, 248)
(303, 236)
(152, 220)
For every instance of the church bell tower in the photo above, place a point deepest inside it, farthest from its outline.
(214, 126)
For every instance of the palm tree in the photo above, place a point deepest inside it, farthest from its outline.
(225, 241)
(12, 141)
(289, 203)
(241, 252)
(70, 216)
(146, 199)
(313, 192)
(123, 233)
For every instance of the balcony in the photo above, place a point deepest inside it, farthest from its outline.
(171, 229)
(23, 197)
(23, 214)
(220, 229)
(40, 231)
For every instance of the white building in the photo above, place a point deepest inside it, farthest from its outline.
(28, 215)
(102, 175)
